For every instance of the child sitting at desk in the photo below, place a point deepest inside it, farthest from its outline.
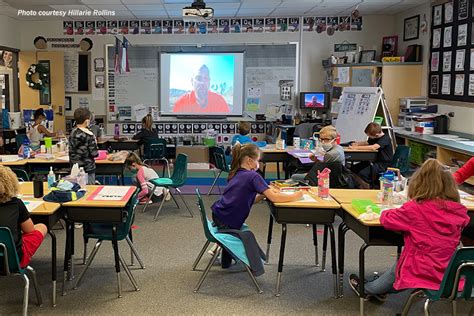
(82, 144)
(379, 141)
(243, 136)
(143, 177)
(14, 215)
(245, 187)
(148, 131)
(431, 224)
(37, 131)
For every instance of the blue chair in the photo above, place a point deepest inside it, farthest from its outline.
(220, 164)
(154, 149)
(10, 265)
(231, 243)
(461, 265)
(401, 159)
(19, 140)
(176, 181)
(103, 232)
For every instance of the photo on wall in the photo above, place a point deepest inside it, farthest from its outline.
(68, 28)
(90, 27)
(308, 24)
(462, 35)
(282, 24)
(434, 84)
(123, 27)
(212, 27)
(320, 23)
(224, 26)
(134, 27)
(112, 27)
(156, 27)
(446, 85)
(459, 85)
(448, 12)
(178, 27)
(191, 27)
(79, 27)
(434, 61)
(247, 25)
(258, 25)
(460, 57)
(235, 26)
(145, 27)
(437, 15)
(463, 9)
(447, 56)
(436, 38)
(270, 25)
(294, 24)
(167, 26)
(447, 36)
(101, 27)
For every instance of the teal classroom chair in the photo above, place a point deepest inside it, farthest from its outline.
(155, 150)
(231, 243)
(220, 164)
(10, 265)
(176, 181)
(103, 232)
(19, 140)
(461, 265)
(21, 174)
(401, 159)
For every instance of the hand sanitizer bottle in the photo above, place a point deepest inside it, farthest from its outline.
(51, 177)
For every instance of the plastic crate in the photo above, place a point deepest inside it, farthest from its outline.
(378, 120)
(419, 152)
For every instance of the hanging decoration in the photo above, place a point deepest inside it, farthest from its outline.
(43, 76)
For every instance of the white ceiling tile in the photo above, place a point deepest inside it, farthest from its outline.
(126, 2)
(111, 7)
(15, 3)
(69, 7)
(220, 6)
(145, 7)
(123, 14)
(254, 12)
(225, 13)
(101, 1)
(150, 14)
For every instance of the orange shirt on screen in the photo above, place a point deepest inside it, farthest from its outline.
(187, 104)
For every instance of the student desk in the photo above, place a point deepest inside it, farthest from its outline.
(301, 212)
(14, 164)
(92, 211)
(49, 214)
(345, 196)
(116, 145)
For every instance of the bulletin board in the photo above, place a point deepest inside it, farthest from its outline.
(451, 75)
(264, 67)
(77, 72)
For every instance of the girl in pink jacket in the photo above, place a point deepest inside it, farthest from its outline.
(431, 224)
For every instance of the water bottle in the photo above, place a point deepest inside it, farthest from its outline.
(51, 177)
(323, 183)
(82, 177)
(387, 185)
(26, 148)
(338, 139)
(116, 131)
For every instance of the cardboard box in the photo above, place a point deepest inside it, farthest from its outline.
(195, 153)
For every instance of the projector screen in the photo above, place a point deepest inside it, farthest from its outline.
(201, 84)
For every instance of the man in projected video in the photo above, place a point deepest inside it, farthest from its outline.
(200, 99)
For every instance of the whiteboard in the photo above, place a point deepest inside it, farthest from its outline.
(145, 87)
(358, 108)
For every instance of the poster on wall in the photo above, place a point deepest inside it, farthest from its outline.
(460, 56)
(178, 27)
(247, 25)
(434, 84)
(471, 64)
(356, 24)
(258, 25)
(167, 26)
(463, 9)
(212, 27)
(123, 27)
(447, 37)
(156, 27)
(294, 24)
(282, 24)
(235, 25)
(471, 85)
(79, 27)
(446, 85)
(191, 27)
(201, 27)
(101, 27)
(145, 27)
(134, 27)
(68, 27)
(344, 23)
(224, 25)
(437, 15)
(462, 35)
(112, 27)
(447, 61)
(320, 24)
(308, 24)
(434, 61)
(459, 85)
(270, 25)
(90, 27)
(436, 38)
(448, 12)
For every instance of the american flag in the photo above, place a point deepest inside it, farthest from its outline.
(117, 55)
(124, 66)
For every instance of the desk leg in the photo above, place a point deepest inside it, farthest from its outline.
(122, 177)
(315, 243)
(362, 278)
(269, 239)
(342, 242)
(71, 259)
(117, 259)
(399, 251)
(333, 259)
(67, 255)
(325, 247)
(54, 264)
(280, 261)
(278, 170)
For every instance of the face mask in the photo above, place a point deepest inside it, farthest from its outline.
(257, 167)
(326, 147)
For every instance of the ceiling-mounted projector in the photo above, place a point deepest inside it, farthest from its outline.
(198, 12)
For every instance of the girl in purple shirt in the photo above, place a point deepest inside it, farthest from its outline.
(245, 187)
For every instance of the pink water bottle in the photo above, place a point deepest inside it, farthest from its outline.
(323, 183)
(117, 131)
(338, 139)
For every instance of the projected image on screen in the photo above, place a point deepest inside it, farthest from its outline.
(314, 100)
(207, 83)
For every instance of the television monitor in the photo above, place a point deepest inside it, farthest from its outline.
(204, 83)
(314, 100)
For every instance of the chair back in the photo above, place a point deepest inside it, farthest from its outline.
(154, 148)
(9, 262)
(21, 174)
(461, 265)
(219, 159)
(19, 139)
(123, 230)
(205, 222)
(180, 171)
(401, 158)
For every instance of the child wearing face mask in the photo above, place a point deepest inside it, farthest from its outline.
(82, 144)
(333, 153)
(38, 130)
(245, 187)
(379, 141)
(143, 176)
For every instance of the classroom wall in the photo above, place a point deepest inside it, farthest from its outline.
(463, 112)
(315, 46)
(9, 35)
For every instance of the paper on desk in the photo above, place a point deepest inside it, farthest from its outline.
(302, 155)
(111, 193)
(9, 158)
(31, 205)
(467, 143)
(306, 197)
(63, 158)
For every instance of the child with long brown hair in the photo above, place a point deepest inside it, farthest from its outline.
(14, 215)
(148, 131)
(431, 224)
(245, 187)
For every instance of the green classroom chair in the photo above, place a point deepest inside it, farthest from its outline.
(155, 150)
(21, 174)
(19, 140)
(177, 180)
(461, 265)
(103, 232)
(10, 265)
(220, 164)
(401, 159)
